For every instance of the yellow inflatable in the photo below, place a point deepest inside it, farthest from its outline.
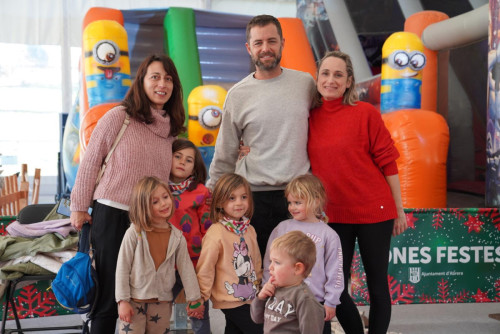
(106, 67)
(205, 115)
(403, 59)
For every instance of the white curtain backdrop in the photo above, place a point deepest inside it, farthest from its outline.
(57, 22)
(52, 24)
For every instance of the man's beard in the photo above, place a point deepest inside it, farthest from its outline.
(268, 67)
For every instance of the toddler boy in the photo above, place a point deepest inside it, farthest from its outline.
(285, 304)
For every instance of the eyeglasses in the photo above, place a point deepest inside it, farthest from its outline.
(401, 59)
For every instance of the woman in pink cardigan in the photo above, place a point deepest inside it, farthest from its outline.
(154, 104)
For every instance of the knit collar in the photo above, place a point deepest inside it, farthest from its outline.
(161, 123)
(179, 188)
(236, 226)
(284, 73)
(332, 105)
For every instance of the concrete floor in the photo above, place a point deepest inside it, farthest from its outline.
(406, 319)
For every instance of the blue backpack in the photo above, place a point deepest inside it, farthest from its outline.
(75, 285)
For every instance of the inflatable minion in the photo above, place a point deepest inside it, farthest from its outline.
(205, 116)
(106, 61)
(402, 62)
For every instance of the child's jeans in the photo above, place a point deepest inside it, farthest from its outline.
(199, 326)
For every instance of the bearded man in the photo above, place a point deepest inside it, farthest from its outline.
(268, 110)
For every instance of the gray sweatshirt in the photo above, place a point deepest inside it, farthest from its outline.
(291, 310)
(271, 116)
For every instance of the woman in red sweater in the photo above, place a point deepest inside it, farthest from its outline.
(353, 154)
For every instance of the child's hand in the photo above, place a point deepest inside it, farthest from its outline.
(243, 150)
(330, 313)
(196, 309)
(195, 314)
(266, 291)
(125, 311)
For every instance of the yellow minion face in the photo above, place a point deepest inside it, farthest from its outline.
(403, 57)
(105, 47)
(106, 59)
(205, 114)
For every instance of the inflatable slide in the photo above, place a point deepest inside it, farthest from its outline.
(208, 49)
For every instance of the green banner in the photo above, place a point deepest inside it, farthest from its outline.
(445, 256)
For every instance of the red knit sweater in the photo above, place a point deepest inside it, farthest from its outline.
(191, 217)
(351, 151)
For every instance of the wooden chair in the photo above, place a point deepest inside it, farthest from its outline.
(14, 194)
(35, 192)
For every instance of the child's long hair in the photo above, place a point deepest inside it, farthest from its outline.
(140, 203)
(199, 169)
(223, 189)
(309, 188)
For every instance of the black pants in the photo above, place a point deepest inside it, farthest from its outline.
(238, 321)
(374, 243)
(108, 228)
(270, 209)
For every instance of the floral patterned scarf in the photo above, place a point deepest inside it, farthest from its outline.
(236, 226)
(179, 188)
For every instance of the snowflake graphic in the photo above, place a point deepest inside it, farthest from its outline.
(401, 293)
(497, 289)
(32, 303)
(437, 219)
(493, 214)
(458, 213)
(443, 294)
(474, 224)
(411, 219)
(481, 297)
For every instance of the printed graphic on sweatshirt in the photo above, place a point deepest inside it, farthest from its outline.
(245, 289)
(315, 238)
(278, 309)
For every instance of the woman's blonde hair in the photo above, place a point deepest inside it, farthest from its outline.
(140, 203)
(309, 188)
(350, 95)
(223, 189)
(299, 247)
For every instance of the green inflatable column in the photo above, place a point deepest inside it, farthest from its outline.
(181, 45)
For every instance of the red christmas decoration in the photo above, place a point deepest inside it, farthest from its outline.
(474, 224)
(410, 220)
(481, 297)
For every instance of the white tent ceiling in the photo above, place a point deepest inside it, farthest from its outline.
(58, 22)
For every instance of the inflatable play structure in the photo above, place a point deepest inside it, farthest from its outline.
(207, 48)
(447, 255)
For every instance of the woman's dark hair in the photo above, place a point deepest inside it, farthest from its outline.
(138, 105)
(199, 169)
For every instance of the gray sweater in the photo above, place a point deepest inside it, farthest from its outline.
(291, 310)
(271, 116)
